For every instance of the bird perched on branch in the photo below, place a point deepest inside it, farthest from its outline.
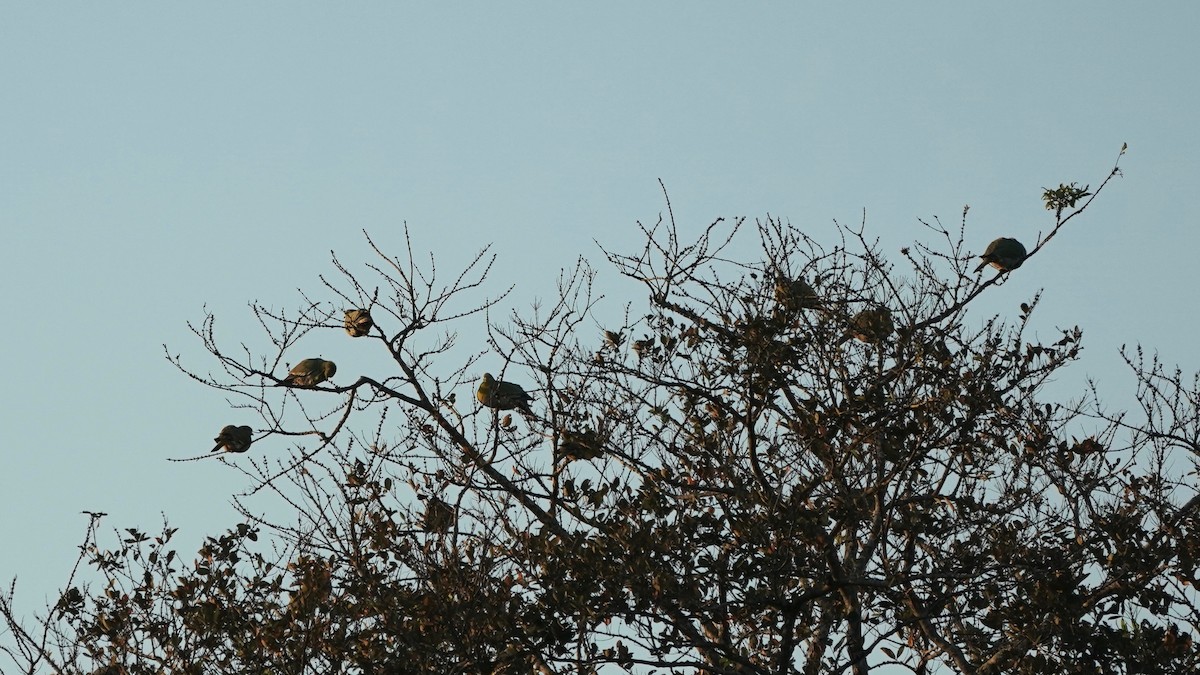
(358, 322)
(794, 295)
(584, 444)
(309, 373)
(871, 325)
(233, 439)
(439, 516)
(643, 348)
(1004, 254)
(500, 395)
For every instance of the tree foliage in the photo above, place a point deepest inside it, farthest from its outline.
(807, 462)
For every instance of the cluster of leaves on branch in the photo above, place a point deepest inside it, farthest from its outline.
(810, 461)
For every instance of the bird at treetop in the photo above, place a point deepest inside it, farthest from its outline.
(309, 373)
(579, 445)
(872, 325)
(494, 393)
(1004, 254)
(358, 322)
(794, 295)
(643, 348)
(233, 439)
(439, 516)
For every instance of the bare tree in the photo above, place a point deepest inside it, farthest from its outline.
(806, 462)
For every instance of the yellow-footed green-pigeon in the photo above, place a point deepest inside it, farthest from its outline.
(358, 322)
(1004, 254)
(872, 325)
(579, 445)
(795, 295)
(643, 348)
(310, 373)
(494, 393)
(234, 439)
(439, 516)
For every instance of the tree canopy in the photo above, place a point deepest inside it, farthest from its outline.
(806, 462)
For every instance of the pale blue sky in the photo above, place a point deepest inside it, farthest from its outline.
(156, 157)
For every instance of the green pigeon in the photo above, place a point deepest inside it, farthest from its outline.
(795, 295)
(233, 439)
(579, 445)
(1004, 254)
(494, 393)
(872, 325)
(358, 322)
(439, 516)
(643, 348)
(309, 373)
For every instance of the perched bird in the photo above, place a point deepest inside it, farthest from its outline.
(358, 322)
(233, 439)
(614, 339)
(439, 516)
(795, 295)
(579, 445)
(1004, 254)
(872, 325)
(494, 393)
(309, 373)
(1190, 506)
(643, 348)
